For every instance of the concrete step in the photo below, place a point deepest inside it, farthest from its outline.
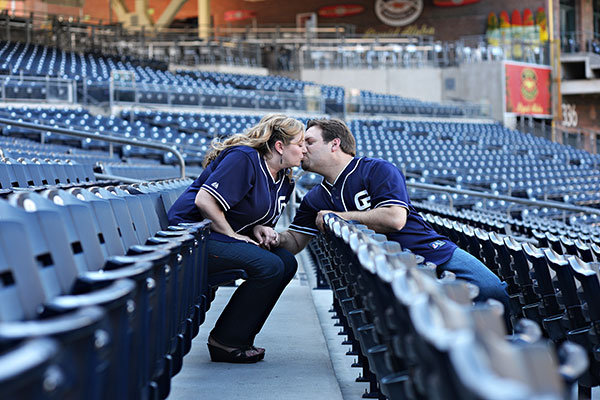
(297, 364)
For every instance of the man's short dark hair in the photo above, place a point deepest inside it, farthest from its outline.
(335, 128)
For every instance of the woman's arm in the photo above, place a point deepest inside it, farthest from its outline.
(210, 209)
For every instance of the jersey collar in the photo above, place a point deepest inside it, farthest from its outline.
(265, 169)
(347, 169)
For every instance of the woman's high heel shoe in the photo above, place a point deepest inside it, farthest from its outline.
(238, 355)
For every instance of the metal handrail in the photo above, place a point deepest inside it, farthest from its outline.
(106, 138)
(550, 204)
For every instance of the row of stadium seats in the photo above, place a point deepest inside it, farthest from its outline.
(152, 85)
(480, 156)
(417, 336)
(554, 282)
(100, 272)
(25, 173)
(376, 103)
(540, 229)
(483, 156)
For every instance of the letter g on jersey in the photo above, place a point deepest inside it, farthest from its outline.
(362, 200)
(281, 203)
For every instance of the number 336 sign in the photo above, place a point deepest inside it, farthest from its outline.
(569, 115)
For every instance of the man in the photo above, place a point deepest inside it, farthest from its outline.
(373, 192)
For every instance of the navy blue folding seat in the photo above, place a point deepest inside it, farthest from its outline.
(6, 176)
(16, 173)
(72, 260)
(568, 289)
(50, 173)
(521, 268)
(584, 251)
(33, 173)
(50, 291)
(129, 211)
(99, 234)
(34, 369)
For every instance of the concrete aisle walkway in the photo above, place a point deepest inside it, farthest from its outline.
(297, 364)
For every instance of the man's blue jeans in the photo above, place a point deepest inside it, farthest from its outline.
(470, 269)
(269, 272)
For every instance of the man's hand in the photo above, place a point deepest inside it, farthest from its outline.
(320, 221)
(266, 236)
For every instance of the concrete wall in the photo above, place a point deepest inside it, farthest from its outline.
(478, 83)
(226, 69)
(422, 83)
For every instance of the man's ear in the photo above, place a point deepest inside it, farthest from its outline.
(335, 143)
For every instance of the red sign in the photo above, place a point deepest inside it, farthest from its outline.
(340, 10)
(527, 89)
(238, 15)
(453, 3)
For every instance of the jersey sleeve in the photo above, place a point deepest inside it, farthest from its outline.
(387, 186)
(304, 221)
(231, 180)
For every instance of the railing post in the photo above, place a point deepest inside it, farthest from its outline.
(28, 26)
(85, 89)
(7, 21)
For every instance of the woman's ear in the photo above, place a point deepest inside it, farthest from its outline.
(279, 147)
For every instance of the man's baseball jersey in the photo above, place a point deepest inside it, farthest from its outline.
(242, 185)
(365, 184)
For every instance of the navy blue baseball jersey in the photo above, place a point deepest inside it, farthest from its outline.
(365, 184)
(242, 185)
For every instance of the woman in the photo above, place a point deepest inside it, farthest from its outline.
(246, 182)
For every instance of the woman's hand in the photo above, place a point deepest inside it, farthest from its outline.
(244, 238)
(266, 236)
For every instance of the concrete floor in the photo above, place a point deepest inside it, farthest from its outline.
(298, 363)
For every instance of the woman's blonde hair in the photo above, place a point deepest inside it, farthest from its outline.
(262, 137)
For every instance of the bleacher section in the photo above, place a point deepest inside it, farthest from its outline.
(95, 271)
(100, 298)
(482, 156)
(376, 103)
(467, 154)
(155, 86)
(417, 336)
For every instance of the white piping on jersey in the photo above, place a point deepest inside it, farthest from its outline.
(391, 202)
(260, 162)
(341, 172)
(303, 230)
(270, 203)
(346, 178)
(325, 187)
(216, 195)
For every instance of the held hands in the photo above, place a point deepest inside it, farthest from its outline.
(244, 238)
(266, 236)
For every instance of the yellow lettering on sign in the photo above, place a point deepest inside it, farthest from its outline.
(411, 30)
(529, 109)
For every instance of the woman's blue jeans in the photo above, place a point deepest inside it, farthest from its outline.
(268, 272)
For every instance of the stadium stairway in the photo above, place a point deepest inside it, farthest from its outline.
(297, 364)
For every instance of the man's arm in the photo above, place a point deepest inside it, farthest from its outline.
(381, 220)
(293, 241)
